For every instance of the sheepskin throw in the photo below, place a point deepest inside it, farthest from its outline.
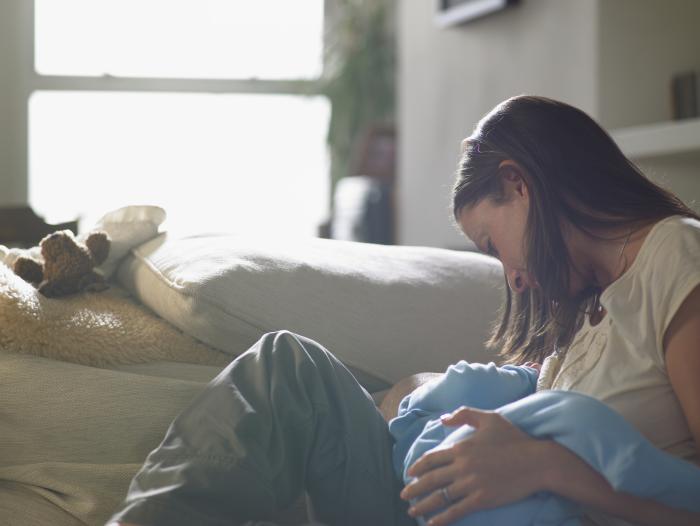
(97, 329)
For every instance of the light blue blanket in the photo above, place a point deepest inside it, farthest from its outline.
(584, 425)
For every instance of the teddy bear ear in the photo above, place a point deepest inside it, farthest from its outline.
(56, 235)
(28, 269)
(98, 243)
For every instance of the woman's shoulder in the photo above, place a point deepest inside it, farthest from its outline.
(670, 249)
(679, 230)
(680, 223)
(668, 271)
(672, 242)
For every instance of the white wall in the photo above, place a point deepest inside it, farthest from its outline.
(448, 79)
(642, 43)
(15, 62)
(611, 59)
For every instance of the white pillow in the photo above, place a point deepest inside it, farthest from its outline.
(127, 227)
(389, 311)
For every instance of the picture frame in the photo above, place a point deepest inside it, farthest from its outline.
(457, 12)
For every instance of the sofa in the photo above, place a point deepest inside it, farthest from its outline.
(73, 431)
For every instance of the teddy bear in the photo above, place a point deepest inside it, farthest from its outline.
(67, 266)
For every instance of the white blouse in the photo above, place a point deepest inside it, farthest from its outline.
(620, 361)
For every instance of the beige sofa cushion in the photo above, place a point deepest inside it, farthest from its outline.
(73, 436)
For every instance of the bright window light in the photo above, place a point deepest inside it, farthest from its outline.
(273, 39)
(234, 163)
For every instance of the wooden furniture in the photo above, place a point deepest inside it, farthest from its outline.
(20, 226)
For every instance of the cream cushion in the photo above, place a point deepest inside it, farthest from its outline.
(100, 329)
(73, 436)
(387, 311)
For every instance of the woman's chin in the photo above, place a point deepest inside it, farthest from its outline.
(580, 291)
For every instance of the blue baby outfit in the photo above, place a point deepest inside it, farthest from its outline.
(583, 424)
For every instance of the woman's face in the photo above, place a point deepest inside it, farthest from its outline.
(499, 229)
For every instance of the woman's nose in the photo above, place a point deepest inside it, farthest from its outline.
(518, 281)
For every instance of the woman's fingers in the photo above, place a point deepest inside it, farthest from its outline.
(468, 504)
(493, 466)
(465, 415)
(435, 479)
(446, 496)
(431, 460)
(445, 468)
(436, 500)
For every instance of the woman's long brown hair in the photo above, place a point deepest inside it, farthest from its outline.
(574, 171)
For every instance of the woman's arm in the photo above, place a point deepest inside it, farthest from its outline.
(500, 464)
(569, 476)
(682, 347)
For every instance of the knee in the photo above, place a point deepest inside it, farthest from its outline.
(270, 338)
(276, 340)
(286, 346)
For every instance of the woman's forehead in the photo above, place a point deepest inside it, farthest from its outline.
(471, 220)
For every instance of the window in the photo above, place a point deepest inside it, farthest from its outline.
(274, 39)
(205, 107)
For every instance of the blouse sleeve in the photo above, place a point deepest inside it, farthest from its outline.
(674, 275)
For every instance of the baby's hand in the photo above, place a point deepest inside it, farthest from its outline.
(534, 365)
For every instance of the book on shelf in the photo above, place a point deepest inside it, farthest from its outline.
(685, 95)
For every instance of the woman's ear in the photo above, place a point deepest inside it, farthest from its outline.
(513, 178)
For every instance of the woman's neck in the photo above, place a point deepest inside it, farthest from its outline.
(599, 262)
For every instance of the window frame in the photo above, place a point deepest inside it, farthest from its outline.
(301, 87)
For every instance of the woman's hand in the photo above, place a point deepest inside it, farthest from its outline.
(497, 465)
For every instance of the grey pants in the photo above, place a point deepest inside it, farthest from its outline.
(283, 417)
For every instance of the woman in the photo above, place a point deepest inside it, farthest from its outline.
(603, 291)
(578, 229)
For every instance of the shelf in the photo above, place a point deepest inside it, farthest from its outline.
(656, 140)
